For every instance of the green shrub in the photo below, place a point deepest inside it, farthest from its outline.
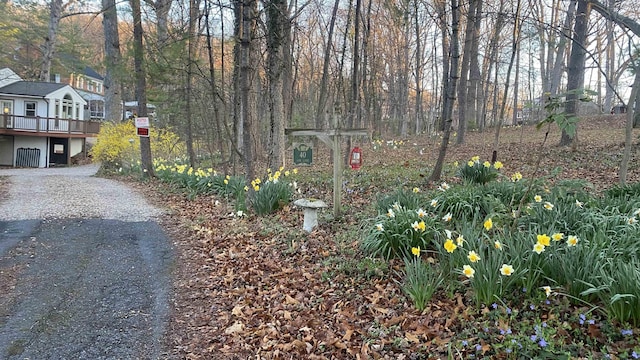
(270, 197)
(404, 198)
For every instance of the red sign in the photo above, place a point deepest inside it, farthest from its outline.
(142, 131)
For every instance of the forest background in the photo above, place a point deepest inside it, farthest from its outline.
(229, 77)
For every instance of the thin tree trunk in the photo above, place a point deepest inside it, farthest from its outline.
(514, 50)
(141, 86)
(321, 110)
(447, 108)
(48, 48)
(631, 114)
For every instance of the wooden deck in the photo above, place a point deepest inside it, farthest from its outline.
(42, 126)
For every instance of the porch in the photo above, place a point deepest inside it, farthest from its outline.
(42, 126)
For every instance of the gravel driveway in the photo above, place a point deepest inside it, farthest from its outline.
(85, 271)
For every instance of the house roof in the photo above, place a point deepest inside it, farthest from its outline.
(92, 73)
(31, 88)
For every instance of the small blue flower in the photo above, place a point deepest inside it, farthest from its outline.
(635, 355)
(534, 337)
(465, 343)
(509, 350)
(524, 289)
(542, 343)
(478, 347)
(544, 324)
(583, 317)
(591, 321)
(532, 307)
(494, 305)
(626, 332)
(509, 331)
(508, 311)
(547, 302)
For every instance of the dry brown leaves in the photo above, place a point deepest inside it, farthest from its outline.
(245, 290)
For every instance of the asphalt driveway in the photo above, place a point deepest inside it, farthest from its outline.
(85, 270)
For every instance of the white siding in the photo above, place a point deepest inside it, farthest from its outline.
(75, 146)
(6, 150)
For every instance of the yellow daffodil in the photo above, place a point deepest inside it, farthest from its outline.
(548, 205)
(506, 270)
(497, 165)
(497, 244)
(537, 198)
(538, 248)
(447, 217)
(455, 164)
(557, 236)
(256, 188)
(415, 251)
(287, 173)
(543, 239)
(416, 190)
(246, 188)
(422, 226)
(226, 181)
(379, 227)
(473, 256)
(475, 159)
(390, 213)
(488, 224)
(421, 213)
(468, 271)
(470, 163)
(547, 290)
(487, 164)
(572, 240)
(450, 246)
(516, 177)
(295, 171)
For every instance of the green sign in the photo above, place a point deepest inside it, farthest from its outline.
(302, 154)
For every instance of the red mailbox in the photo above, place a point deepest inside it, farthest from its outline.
(355, 160)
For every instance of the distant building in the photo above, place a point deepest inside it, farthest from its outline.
(90, 85)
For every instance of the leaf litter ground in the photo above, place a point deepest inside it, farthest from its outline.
(261, 288)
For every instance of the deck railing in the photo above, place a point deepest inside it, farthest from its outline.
(40, 124)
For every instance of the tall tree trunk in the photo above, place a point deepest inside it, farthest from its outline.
(192, 40)
(563, 44)
(514, 50)
(475, 76)
(575, 70)
(355, 77)
(246, 21)
(48, 48)
(450, 94)
(464, 72)
(141, 86)
(113, 109)
(321, 110)
(418, 69)
(277, 25)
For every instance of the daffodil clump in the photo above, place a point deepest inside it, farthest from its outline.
(399, 229)
(391, 144)
(512, 239)
(274, 191)
(476, 171)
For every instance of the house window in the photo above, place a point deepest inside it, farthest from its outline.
(99, 88)
(90, 85)
(77, 111)
(56, 111)
(30, 108)
(7, 107)
(67, 107)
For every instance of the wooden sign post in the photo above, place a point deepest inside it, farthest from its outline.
(331, 137)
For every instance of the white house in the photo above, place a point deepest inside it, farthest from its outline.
(42, 123)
